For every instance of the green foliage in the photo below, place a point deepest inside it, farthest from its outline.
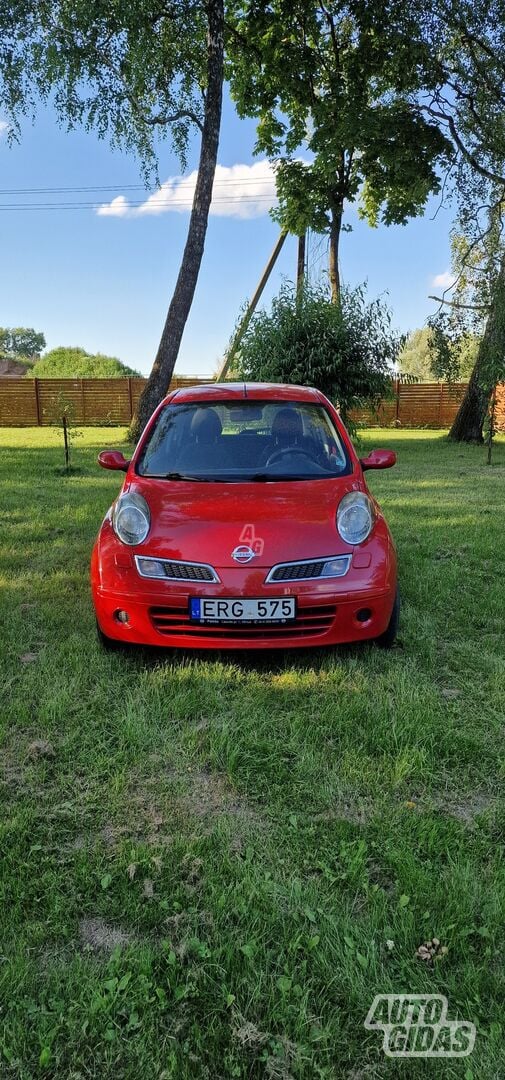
(451, 350)
(459, 337)
(333, 79)
(20, 343)
(75, 363)
(468, 39)
(428, 356)
(415, 358)
(134, 73)
(347, 350)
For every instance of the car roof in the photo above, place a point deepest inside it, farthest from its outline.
(249, 390)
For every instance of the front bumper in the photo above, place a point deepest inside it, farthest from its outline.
(329, 612)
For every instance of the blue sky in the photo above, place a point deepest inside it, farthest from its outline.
(104, 280)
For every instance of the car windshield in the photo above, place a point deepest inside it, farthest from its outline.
(244, 441)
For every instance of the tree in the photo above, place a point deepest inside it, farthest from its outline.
(468, 331)
(347, 350)
(75, 363)
(134, 73)
(419, 356)
(180, 306)
(332, 79)
(415, 357)
(478, 302)
(21, 343)
(467, 38)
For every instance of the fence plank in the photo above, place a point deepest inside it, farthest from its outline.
(27, 402)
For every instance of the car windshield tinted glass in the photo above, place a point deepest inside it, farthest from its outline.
(244, 440)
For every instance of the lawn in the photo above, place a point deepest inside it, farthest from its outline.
(210, 866)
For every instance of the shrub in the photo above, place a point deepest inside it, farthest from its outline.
(346, 350)
(75, 363)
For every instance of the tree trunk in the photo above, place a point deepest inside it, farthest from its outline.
(335, 230)
(469, 420)
(488, 370)
(300, 264)
(159, 380)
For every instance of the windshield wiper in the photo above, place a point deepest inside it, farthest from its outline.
(264, 478)
(185, 476)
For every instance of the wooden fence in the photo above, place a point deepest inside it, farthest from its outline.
(26, 402)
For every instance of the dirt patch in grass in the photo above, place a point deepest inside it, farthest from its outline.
(346, 810)
(210, 797)
(210, 794)
(17, 760)
(467, 808)
(101, 936)
(157, 806)
(276, 1066)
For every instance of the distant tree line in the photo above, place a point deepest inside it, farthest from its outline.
(20, 343)
(419, 356)
(24, 345)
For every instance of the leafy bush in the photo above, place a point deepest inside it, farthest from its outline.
(346, 350)
(75, 363)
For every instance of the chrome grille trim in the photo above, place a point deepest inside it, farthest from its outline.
(179, 570)
(313, 621)
(308, 569)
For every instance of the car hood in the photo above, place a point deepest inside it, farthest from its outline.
(281, 521)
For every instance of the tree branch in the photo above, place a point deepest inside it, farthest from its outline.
(457, 304)
(495, 178)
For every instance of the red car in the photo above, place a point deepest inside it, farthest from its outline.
(244, 521)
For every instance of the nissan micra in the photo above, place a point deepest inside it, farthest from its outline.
(244, 521)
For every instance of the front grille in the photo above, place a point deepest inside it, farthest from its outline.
(310, 568)
(296, 572)
(175, 622)
(188, 572)
(175, 570)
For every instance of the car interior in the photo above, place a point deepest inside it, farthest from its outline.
(251, 437)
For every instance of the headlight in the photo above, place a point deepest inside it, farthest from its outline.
(131, 519)
(355, 517)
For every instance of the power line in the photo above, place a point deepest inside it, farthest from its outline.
(267, 177)
(161, 204)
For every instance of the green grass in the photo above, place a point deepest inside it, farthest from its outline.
(200, 880)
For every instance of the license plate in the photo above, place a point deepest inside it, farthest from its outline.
(236, 610)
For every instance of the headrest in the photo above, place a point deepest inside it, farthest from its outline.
(206, 425)
(287, 424)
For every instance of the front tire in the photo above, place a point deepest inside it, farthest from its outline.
(388, 638)
(106, 643)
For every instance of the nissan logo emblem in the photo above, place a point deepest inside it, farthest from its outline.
(242, 554)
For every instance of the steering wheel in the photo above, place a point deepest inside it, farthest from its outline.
(289, 450)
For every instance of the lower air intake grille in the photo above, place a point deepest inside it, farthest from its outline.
(188, 572)
(297, 571)
(175, 622)
(174, 569)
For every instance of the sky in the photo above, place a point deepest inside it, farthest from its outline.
(102, 277)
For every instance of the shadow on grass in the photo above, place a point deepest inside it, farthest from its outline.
(260, 661)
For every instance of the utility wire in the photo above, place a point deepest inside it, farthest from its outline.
(161, 204)
(131, 187)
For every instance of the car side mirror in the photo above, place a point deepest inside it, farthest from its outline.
(378, 459)
(113, 459)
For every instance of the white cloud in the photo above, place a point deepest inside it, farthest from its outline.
(444, 281)
(4, 127)
(117, 208)
(241, 191)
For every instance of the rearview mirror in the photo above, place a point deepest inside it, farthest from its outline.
(113, 459)
(378, 459)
